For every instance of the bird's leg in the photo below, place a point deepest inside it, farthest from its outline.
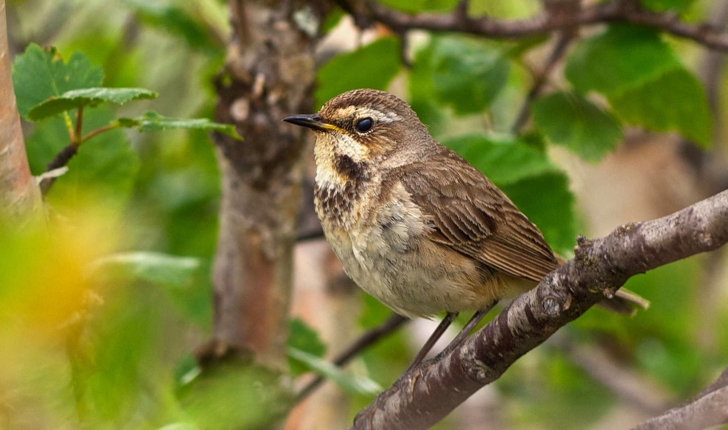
(460, 338)
(434, 337)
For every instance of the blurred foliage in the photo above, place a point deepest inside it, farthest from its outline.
(371, 66)
(632, 66)
(101, 308)
(574, 122)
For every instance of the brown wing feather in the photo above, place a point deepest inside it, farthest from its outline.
(472, 216)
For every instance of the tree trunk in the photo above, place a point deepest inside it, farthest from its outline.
(19, 193)
(269, 74)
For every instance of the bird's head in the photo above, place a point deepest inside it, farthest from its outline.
(367, 126)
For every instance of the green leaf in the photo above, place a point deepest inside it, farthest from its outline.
(152, 121)
(522, 46)
(303, 338)
(372, 66)
(676, 101)
(352, 384)
(547, 202)
(622, 58)
(39, 75)
(504, 161)
(505, 10)
(422, 90)
(468, 74)
(332, 19)
(87, 97)
(105, 165)
(574, 122)
(149, 266)
(643, 80)
(414, 6)
(680, 6)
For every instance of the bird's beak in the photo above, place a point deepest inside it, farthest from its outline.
(313, 121)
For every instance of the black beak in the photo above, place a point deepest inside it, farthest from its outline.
(311, 121)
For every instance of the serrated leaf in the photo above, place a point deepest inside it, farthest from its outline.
(371, 66)
(468, 74)
(620, 59)
(39, 75)
(547, 202)
(643, 80)
(503, 161)
(352, 384)
(574, 122)
(152, 121)
(676, 101)
(303, 338)
(87, 97)
(149, 266)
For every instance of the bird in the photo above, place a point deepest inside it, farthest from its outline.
(413, 223)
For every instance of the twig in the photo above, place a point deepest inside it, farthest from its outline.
(99, 130)
(540, 79)
(615, 11)
(363, 342)
(63, 157)
(424, 396)
(79, 126)
(60, 160)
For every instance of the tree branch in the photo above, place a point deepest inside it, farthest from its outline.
(367, 339)
(429, 392)
(719, 383)
(708, 409)
(615, 11)
(540, 78)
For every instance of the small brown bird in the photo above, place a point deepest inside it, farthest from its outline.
(413, 223)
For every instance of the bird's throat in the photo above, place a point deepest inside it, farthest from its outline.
(339, 186)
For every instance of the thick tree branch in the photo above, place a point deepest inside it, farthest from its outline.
(615, 11)
(429, 392)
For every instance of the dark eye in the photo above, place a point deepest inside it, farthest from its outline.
(364, 124)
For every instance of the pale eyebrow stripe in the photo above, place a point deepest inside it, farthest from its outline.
(351, 111)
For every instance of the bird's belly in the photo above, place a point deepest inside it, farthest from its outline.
(407, 272)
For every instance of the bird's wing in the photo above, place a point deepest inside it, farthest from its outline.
(472, 216)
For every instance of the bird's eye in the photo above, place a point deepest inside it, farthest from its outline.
(363, 125)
